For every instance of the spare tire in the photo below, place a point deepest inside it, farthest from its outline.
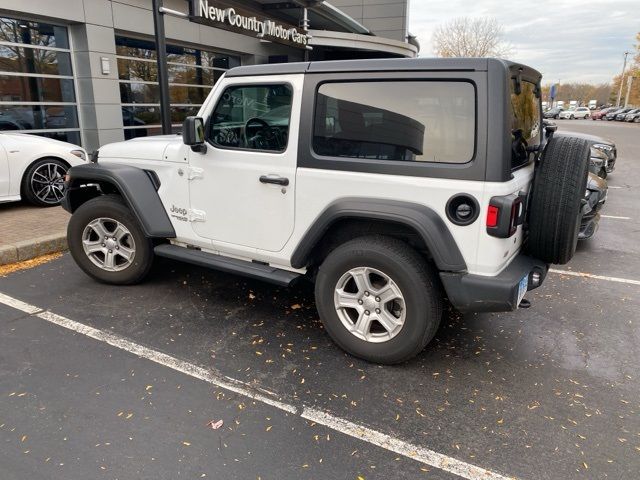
(555, 209)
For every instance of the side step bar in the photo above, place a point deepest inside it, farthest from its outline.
(225, 264)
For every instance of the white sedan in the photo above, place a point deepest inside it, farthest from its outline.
(33, 168)
(573, 113)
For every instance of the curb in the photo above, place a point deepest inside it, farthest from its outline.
(35, 247)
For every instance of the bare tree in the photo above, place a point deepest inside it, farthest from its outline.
(471, 37)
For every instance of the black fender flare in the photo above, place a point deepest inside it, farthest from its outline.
(134, 185)
(425, 221)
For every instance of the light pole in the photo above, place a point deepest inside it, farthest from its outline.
(624, 66)
(163, 74)
(159, 11)
(629, 84)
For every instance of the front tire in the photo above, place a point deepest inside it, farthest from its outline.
(107, 242)
(378, 299)
(43, 182)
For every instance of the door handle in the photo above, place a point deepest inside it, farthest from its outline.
(275, 180)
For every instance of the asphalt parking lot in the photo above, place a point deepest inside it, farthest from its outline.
(108, 382)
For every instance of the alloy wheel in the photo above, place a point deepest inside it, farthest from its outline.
(47, 182)
(370, 304)
(108, 244)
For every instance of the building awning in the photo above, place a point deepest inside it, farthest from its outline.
(331, 27)
(354, 41)
(322, 15)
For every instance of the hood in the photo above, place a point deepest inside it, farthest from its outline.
(143, 148)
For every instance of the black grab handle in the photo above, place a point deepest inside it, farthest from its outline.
(275, 180)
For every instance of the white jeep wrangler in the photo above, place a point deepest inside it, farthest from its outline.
(392, 184)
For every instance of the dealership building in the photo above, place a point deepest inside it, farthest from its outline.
(84, 71)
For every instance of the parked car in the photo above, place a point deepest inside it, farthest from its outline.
(604, 145)
(601, 113)
(620, 116)
(612, 115)
(573, 113)
(347, 187)
(553, 113)
(633, 117)
(595, 198)
(33, 168)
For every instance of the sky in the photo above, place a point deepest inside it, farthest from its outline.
(566, 40)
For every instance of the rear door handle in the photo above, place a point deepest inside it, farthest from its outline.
(275, 180)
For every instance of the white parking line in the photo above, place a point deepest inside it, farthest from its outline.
(18, 304)
(414, 452)
(615, 218)
(596, 277)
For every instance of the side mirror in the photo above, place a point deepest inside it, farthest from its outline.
(193, 134)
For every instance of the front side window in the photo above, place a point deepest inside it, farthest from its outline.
(414, 121)
(253, 117)
(525, 121)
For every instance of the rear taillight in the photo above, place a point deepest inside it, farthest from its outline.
(492, 216)
(504, 215)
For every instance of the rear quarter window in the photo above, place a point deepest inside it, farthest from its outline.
(408, 121)
(526, 123)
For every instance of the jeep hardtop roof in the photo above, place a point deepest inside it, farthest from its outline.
(385, 64)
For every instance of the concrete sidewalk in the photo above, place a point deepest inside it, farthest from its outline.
(27, 231)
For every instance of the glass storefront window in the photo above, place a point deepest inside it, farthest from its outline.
(34, 60)
(37, 117)
(150, 115)
(192, 73)
(15, 88)
(33, 33)
(149, 93)
(147, 71)
(37, 91)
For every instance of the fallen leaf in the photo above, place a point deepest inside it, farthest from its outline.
(215, 425)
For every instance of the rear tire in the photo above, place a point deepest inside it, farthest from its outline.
(555, 211)
(107, 242)
(352, 285)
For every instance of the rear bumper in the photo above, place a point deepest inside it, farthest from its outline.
(479, 293)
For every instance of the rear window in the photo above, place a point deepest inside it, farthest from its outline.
(525, 122)
(414, 121)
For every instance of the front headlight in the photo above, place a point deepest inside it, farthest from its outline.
(80, 154)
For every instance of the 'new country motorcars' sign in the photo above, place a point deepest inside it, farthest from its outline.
(244, 21)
